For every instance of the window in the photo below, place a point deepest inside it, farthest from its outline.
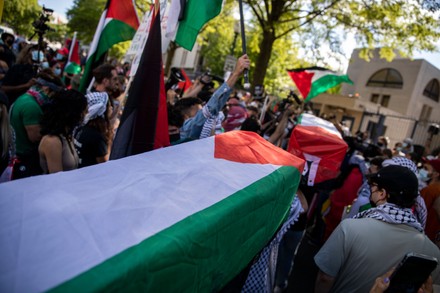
(388, 77)
(432, 90)
(385, 100)
(426, 113)
(374, 98)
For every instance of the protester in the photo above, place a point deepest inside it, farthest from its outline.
(192, 127)
(61, 116)
(57, 68)
(237, 114)
(106, 78)
(26, 115)
(93, 139)
(419, 206)
(349, 182)
(361, 249)
(6, 52)
(6, 134)
(362, 202)
(20, 77)
(431, 195)
(70, 71)
(407, 146)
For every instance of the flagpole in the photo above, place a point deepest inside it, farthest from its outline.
(243, 45)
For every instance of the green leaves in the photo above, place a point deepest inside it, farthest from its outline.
(20, 14)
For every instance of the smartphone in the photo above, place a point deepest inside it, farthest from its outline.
(411, 273)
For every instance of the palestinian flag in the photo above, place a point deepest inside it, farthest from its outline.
(144, 122)
(319, 143)
(188, 217)
(313, 81)
(185, 20)
(118, 23)
(184, 85)
(73, 46)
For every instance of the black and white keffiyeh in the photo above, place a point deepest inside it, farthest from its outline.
(392, 214)
(421, 211)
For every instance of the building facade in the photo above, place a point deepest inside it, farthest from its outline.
(397, 99)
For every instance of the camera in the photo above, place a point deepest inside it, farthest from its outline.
(293, 96)
(176, 76)
(40, 24)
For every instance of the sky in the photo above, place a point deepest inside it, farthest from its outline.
(61, 6)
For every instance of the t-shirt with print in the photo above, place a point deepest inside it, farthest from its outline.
(90, 144)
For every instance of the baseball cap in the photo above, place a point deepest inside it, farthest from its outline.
(396, 180)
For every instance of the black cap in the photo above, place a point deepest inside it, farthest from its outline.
(398, 181)
(6, 34)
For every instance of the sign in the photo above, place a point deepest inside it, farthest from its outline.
(229, 63)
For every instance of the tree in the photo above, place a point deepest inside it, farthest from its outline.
(20, 14)
(84, 17)
(217, 40)
(392, 24)
(58, 34)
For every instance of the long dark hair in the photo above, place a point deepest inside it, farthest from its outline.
(64, 112)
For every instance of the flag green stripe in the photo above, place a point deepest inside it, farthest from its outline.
(115, 31)
(326, 82)
(178, 259)
(197, 13)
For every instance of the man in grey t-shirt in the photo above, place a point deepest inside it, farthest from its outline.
(360, 250)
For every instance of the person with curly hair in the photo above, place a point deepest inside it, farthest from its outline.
(61, 116)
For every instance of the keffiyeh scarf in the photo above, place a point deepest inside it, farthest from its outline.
(40, 97)
(97, 105)
(421, 211)
(392, 214)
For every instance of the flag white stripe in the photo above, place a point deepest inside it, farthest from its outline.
(173, 19)
(102, 23)
(312, 120)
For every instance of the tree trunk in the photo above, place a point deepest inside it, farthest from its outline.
(262, 62)
(170, 55)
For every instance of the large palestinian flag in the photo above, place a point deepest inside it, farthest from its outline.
(321, 145)
(118, 23)
(183, 218)
(313, 81)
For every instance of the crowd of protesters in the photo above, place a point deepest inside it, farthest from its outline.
(384, 202)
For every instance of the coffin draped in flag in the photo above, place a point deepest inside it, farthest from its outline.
(118, 23)
(144, 122)
(186, 19)
(313, 81)
(183, 218)
(321, 145)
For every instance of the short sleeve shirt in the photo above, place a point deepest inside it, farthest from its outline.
(25, 112)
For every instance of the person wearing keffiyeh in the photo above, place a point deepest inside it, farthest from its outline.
(92, 140)
(369, 245)
(26, 115)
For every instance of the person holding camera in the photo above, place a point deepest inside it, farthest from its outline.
(6, 52)
(21, 76)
